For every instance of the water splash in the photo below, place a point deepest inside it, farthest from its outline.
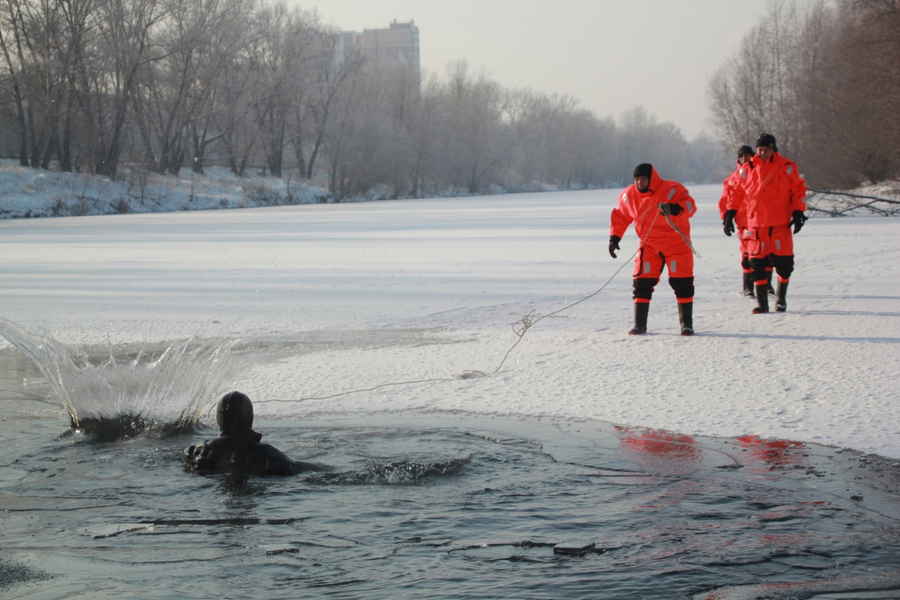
(393, 473)
(166, 388)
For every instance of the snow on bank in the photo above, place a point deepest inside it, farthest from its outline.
(29, 193)
(885, 189)
(357, 296)
(26, 192)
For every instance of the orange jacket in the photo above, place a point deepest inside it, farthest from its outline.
(652, 227)
(771, 191)
(735, 179)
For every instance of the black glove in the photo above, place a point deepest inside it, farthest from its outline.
(670, 208)
(728, 222)
(613, 245)
(797, 220)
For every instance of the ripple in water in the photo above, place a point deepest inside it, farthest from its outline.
(432, 505)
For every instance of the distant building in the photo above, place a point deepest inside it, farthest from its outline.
(395, 48)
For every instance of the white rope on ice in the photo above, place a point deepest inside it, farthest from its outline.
(520, 328)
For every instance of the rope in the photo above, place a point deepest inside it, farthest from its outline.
(360, 390)
(684, 238)
(520, 328)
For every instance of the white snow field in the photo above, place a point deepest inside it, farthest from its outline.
(368, 296)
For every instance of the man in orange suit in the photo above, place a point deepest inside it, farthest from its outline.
(771, 196)
(661, 212)
(744, 154)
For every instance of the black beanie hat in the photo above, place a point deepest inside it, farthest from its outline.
(643, 170)
(767, 139)
(745, 150)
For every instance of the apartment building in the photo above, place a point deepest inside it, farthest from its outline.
(395, 48)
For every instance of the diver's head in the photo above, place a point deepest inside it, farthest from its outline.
(235, 414)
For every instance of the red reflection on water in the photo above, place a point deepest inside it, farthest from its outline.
(659, 443)
(773, 452)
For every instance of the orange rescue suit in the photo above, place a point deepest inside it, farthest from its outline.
(770, 192)
(736, 179)
(653, 228)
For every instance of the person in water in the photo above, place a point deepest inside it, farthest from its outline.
(238, 448)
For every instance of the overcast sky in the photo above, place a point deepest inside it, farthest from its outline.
(609, 54)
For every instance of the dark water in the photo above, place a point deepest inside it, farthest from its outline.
(441, 506)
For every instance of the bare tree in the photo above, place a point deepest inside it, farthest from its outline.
(824, 77)
(427, 120)
(285, 41)
(226, 38)
(333, 75)
(39, 41)
(756, 90)
(868, 55)
(125, 44)
(197, 39)
(474, 113)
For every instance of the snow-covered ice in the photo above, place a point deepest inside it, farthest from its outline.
(363, 295)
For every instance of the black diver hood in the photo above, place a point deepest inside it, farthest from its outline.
(235, 414)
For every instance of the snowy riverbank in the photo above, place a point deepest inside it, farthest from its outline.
(34, 193)
(29, 193)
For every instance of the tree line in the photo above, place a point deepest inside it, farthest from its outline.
(824, 77)
(92, 85)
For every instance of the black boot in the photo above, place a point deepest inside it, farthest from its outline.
(641, 310)
(686, 318)
(781, 301)
(769, 287)
(762, 298)
(748, 284)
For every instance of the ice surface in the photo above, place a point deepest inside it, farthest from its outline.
(371, 296)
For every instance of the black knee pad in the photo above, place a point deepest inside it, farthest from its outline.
(784, 266)
(643, 287)
(759, 266)
(683, 286)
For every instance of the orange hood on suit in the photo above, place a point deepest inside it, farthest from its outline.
(653, 228)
